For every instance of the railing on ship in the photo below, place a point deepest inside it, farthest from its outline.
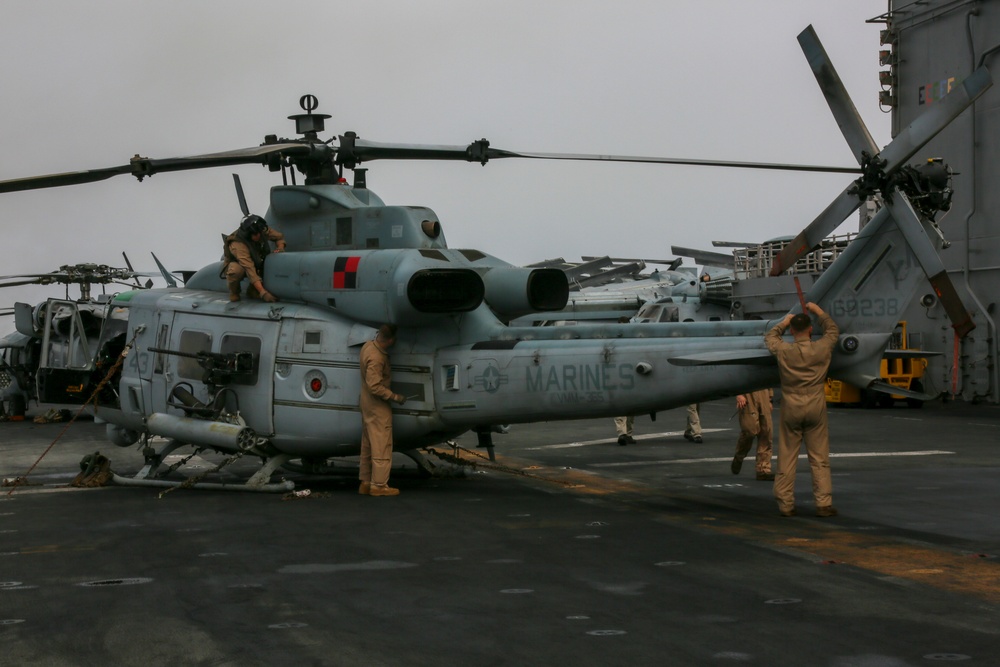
(756, 261)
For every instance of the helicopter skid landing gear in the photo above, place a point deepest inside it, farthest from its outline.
(261, 477)
(155, 458)
(426, 468)
(486, 442)
(277, 487)
(260, 481)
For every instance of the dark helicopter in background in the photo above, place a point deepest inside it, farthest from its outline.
(280, 380)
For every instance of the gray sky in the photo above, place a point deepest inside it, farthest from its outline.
(89, 84)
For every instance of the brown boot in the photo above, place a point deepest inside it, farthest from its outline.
(382, 490)
(365, 488)
(234, 291)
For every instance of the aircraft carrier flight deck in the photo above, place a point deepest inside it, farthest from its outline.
(569, 549)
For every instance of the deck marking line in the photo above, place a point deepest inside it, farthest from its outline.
(720, 459)
(614, 440)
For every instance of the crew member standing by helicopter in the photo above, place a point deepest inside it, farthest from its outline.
(245, 251)
(802, 367)
(754, 409)
(376, 414)
(692, 428)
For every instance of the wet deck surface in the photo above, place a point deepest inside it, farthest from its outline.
(649, 554)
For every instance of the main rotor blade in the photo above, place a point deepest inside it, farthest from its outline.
(360, 150)
(354, 150)
(920, 243)
(36, 281)
(32, 275)
(141, 167)
(67, 178)
(679, 161)
(844, 111)
(146, 167)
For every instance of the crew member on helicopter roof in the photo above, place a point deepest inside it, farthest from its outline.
(245, 251)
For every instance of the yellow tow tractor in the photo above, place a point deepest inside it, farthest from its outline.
(900, 371)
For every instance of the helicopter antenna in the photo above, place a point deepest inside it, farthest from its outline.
(239, 193)
(131, 270)
(167, 276)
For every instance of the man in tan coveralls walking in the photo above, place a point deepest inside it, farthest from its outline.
(755, 422)
(376, 414)
(802, 366)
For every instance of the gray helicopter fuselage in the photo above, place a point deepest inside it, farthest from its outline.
(470, 372)
(457, 362)
(304, 391)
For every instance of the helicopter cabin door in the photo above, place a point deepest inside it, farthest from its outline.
(200, 371)
(66, 364)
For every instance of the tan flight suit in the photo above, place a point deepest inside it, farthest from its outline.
(755, 422)
(802, 366)
(376, 415)
(693, 427)
(242, 261)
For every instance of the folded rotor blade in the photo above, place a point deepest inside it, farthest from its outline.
(816, 231)
(923, 249)
(734, 244)
(910, 140)
(902, 148)
(706, 257)
(844, 111)
(928, 124)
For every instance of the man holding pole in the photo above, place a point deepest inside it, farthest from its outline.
(802, 367)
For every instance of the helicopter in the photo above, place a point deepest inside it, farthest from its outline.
(615, 289)
(49, 357)
(18, 363)
(280, 381)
